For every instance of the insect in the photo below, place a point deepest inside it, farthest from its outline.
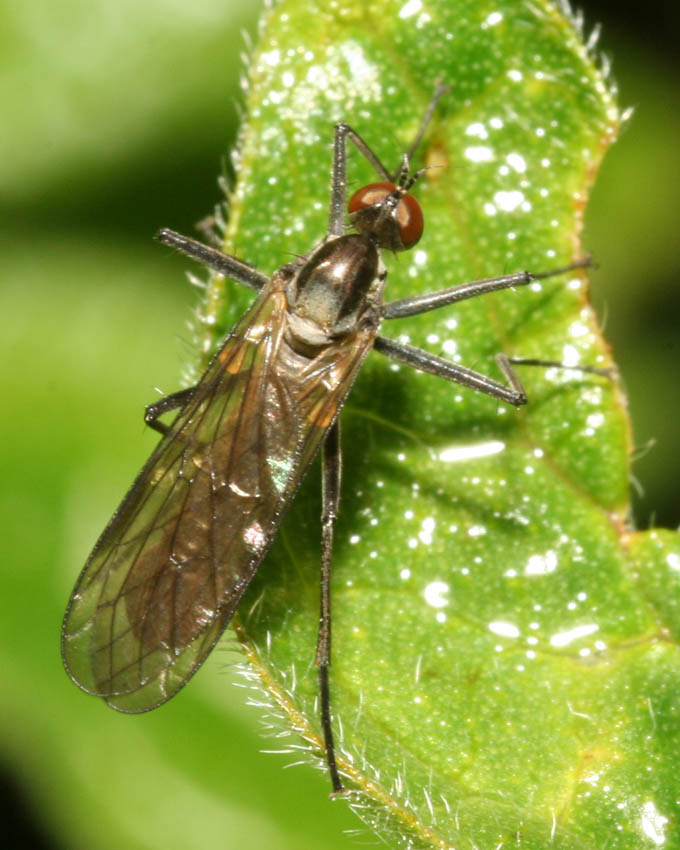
(169, 570)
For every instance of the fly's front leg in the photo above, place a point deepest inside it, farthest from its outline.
(174, 401)
(330, 502)
(337, 212)
(336, 218)
(440, 90)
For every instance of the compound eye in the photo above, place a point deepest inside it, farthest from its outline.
(409, 215)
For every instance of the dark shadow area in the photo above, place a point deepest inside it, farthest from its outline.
(644, 330)
(653, 25)
(173, 184)
(22, 829)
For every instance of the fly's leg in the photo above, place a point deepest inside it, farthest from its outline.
(330, 502)
(337, 211)
(440, 90)
(512, 393)
(417, 304)
(336, 218)
(211, 227)
(224, 264)
(604, 372)
(174, 401)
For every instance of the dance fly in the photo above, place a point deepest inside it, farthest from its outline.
(169, 570)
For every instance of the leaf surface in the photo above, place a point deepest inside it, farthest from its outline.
(504, 660)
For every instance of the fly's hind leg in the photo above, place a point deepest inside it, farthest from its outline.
(330, 501)
(174, 401)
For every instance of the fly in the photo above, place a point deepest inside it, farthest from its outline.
(170, 568)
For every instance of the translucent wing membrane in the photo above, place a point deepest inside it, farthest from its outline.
(172, 565)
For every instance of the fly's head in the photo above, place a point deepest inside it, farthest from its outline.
(387, 213)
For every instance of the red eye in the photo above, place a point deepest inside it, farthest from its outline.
(409, 214)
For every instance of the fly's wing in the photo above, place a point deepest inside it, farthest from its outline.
(169, 570)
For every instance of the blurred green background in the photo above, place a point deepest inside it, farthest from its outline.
(117, 118)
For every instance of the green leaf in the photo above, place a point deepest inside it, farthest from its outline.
(503, 669)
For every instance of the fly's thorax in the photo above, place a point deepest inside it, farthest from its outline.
(337, 286)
